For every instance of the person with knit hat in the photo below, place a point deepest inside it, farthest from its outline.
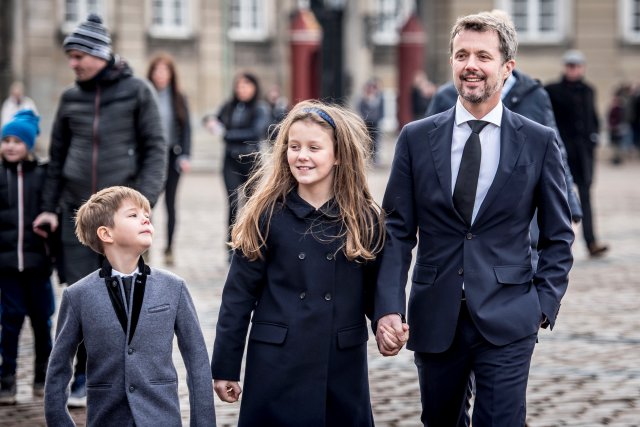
(107, 131)
(25, 263)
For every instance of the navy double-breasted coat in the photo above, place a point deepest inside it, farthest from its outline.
(306, 355)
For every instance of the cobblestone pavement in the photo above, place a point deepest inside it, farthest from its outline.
(584, 373)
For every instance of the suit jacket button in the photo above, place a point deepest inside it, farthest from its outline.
(327, 296)
(132, 389)
(469, 236)
(329, 256)
(301, 255)
(303, 295)
(130, 351)
(460, 271)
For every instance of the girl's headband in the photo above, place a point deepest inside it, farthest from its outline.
(327, 118)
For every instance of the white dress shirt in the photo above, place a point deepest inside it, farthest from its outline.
(490, 143)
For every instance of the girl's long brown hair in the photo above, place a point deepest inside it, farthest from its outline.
(269, 184)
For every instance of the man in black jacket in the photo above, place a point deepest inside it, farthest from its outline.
(107, 132)
(573, 102)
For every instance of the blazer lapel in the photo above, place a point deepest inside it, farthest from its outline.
(511, 143)
(440, 139)
(138, 296)
(113, 289)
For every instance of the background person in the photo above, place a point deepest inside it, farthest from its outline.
(15, 102)
(25, 258)
(106, 132)
(176, 126)
(245, 119)
(574, 105)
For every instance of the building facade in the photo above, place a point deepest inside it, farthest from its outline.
(213, 39)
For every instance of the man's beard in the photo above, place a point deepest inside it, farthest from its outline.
(477, 98)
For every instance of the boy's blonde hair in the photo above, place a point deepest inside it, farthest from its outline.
(269, 184)
(100, 211)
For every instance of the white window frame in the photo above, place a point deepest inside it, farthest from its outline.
(626, 10)
(68, 25)
(386, 32)
(533, 35)
(168, 28)
(254, 20)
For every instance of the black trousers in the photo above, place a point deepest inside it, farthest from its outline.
(170, 192)
(26, 293)
(584, 192)
(501, 375)
(236, 169)
(79, 261)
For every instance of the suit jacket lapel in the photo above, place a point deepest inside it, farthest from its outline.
(440, 139)
(138, 296)
(511, 143)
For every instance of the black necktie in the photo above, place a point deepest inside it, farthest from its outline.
(126, 283)
(464, 194)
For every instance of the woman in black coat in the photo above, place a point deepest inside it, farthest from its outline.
(303, 273)
(245, 119)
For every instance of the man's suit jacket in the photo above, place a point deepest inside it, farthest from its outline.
(130, 373)
(506, 300)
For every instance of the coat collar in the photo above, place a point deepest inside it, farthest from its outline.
(302, 209)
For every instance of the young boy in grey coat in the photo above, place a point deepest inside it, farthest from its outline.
(127, 315)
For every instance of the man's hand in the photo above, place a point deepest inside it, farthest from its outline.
(45, 218)
(227, 391)
(391, 334)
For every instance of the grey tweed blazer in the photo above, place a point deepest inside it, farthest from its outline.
(131, 379)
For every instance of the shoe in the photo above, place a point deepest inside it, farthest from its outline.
(597, 249)
(78, 395)
(38, 379)
(168, 257)
(38, 389)
(8, 390)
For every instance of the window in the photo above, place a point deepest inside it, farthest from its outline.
(76, 11)
(248, 20)
(390, 16)
(169, 18)
(630, 20)
(537, 21)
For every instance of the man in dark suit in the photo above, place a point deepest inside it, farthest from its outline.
(465, 185)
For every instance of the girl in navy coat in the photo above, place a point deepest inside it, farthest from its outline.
(305, 244)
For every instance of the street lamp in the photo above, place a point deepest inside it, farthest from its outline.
(330, 15)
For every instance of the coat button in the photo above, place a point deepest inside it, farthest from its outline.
(469, 236)
(329, 256)
(303, 295)
(132, 389)
(130, 351)
(460, 271)
(327, 296)
(301, 255)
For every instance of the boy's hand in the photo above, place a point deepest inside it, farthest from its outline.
(391, 334)
(227, 391)
(43, 221)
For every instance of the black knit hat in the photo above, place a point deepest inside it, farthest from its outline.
(90, 37)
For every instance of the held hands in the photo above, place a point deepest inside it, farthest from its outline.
(44, 221)
(391, 334)
(227, 391)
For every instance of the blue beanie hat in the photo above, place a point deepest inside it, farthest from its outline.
(90, 37)
(24, 125)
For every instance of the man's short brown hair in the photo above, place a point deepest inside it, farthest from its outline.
(100, 210)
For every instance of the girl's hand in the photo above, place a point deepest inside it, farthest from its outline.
(227, 391)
